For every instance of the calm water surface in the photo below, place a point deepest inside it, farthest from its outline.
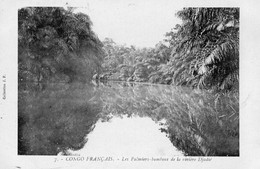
(116, 119)
(128, 137)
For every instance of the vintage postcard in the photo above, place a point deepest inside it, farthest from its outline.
(128, 84)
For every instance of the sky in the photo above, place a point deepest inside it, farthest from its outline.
(139, 23)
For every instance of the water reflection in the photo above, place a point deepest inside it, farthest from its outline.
(58, 119)
(128, 137)
(55, 119)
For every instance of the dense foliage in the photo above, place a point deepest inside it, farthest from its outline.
(132, 63)
(55, 44)
(58, 45)
(202, 52)
(207, 45)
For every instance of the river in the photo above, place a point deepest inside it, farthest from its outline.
(125, 119)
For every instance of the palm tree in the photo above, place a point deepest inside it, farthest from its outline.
(205, 48)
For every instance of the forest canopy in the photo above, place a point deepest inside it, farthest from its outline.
(55, 44)
(201, 52)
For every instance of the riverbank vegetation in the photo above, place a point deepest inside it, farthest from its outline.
(56, 45)
(201, 52)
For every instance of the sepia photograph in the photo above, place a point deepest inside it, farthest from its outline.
(75, 87)
(115, 84)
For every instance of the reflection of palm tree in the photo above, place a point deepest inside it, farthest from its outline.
(192, 127)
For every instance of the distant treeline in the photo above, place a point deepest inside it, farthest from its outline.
(202, 52)
(55, 44)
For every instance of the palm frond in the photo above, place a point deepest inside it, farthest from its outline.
(221, 53)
